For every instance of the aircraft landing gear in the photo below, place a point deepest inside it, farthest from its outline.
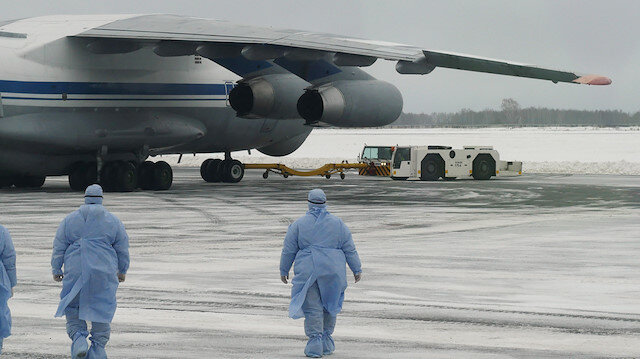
(83, 175)
(216, 170)
(156, 176)
(119, 176)
(122, 176)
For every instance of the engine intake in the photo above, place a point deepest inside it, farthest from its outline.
(272, 96)
(360, 103)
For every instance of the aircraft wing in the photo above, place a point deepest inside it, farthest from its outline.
(179, 35)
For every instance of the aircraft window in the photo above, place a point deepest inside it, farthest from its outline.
(402, 154)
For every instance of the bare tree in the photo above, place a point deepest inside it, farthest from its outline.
(511, 109)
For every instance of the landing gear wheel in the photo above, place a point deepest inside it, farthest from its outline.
(127, 177)
(210, 170)
(119, 176)
(265, 175)
(231, 171)
(145, 175)
(109, 177)
(30, 181)
(162, 176)
(78, 177)
(342, 176)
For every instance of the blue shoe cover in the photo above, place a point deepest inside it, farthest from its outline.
(79, 347)
(314, 347)
(328, 346)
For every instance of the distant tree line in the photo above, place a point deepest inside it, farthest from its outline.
(511, 114)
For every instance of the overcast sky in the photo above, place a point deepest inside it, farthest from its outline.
(599, 37)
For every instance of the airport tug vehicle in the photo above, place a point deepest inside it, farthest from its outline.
(430, 163)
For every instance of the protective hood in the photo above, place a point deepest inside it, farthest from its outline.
(93, 194)
(317, 202)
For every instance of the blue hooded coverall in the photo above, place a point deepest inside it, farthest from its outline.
(8, 280)
(94, 247)
(321, 246)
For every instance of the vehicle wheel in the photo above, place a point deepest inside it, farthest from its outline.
(212, 170)
(162, 176)
(127, 177)
(91, 174)
(30, 181)
(342, 176)
(327, 176)
(483, 167)
(430, 170)
(265, 175)
(431, 167)
(203, 168)
(109, 177)
(285, 175)
(78, 177)
(232, 171)
(145, 175)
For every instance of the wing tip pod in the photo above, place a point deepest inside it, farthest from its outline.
(593, 80)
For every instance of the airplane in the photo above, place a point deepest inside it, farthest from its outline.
(94, 96)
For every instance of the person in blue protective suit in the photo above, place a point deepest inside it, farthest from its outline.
(93, 246)
(8, 280)
(321, 246)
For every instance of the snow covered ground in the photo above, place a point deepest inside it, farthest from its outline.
(530, 267)
(577, 150)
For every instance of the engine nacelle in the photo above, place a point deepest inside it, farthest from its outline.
(272, 96)
(285, 147)
(356, 103)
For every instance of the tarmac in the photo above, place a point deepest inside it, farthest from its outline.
(537, 266)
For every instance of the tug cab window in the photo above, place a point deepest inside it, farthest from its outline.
(401, 154)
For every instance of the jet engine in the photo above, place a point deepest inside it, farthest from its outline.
(354, 103)
(272, 96)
